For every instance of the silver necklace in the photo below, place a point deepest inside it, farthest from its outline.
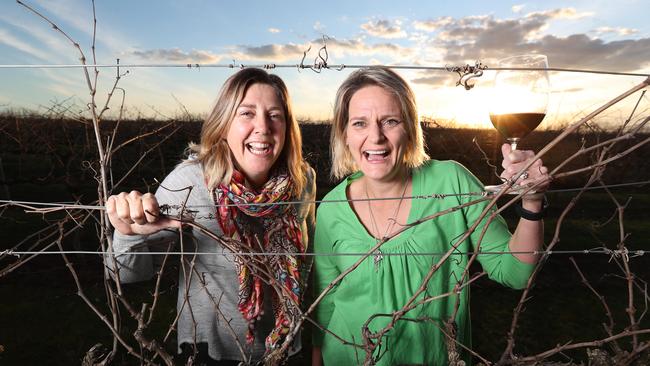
(378, 256)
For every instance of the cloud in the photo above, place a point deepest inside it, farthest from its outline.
(357, 47)
(318, 27)
(561, 13)
(271, 52)
(490, 33)
(489, 38)
(434, 78)
(177, 55)
(384, 29)
(496, 31)
(11, 41)
(432, 25)
(575, 51)
(338, 47)
(620, 31)
(579, 50)
(78, 15)
(473, 19)
(41, 38)
(274, 30)
(517, 8)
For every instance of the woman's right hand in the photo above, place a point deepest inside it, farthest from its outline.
(136, 213)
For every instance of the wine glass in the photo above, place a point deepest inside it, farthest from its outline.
(519, 99)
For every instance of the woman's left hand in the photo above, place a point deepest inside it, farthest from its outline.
(536, 175)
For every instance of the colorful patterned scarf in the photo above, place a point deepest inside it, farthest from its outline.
(269, 228)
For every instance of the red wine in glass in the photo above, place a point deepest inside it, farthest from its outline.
(515, 126)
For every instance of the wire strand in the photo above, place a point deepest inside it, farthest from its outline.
(318, 67)
(73, 206)
(600, 251)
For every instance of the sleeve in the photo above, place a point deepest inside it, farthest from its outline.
(325, 271)
(503, 268)
(132, 266)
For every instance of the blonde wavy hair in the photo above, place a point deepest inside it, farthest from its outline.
(213, 151)
(342, 162)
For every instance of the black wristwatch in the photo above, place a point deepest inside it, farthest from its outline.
(529, 215)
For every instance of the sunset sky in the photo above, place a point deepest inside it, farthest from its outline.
(596, 34)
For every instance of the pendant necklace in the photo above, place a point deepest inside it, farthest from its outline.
(391, 223)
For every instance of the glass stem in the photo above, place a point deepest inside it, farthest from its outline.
(513, 145)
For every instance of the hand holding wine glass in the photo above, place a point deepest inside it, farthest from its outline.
(518, 105)
(515, 160)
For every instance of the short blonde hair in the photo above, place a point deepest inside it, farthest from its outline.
(342, 162)
(213, 150)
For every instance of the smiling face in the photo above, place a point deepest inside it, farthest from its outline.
(257, 133)
(375, 134)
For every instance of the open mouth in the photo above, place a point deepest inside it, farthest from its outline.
(259, 148)
(376, 155)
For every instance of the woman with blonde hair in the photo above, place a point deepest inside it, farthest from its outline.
(247, 165)
(377, 142)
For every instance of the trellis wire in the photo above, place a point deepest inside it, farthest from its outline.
(72, 206)
(64, 206)
(318, 67)
(601, 251)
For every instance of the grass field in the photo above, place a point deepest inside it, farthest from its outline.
(44, 319)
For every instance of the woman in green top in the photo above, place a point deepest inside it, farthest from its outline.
(376, 136)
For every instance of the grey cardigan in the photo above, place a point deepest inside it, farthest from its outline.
(207, 314)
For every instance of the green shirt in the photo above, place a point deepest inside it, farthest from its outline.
(385, 288)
